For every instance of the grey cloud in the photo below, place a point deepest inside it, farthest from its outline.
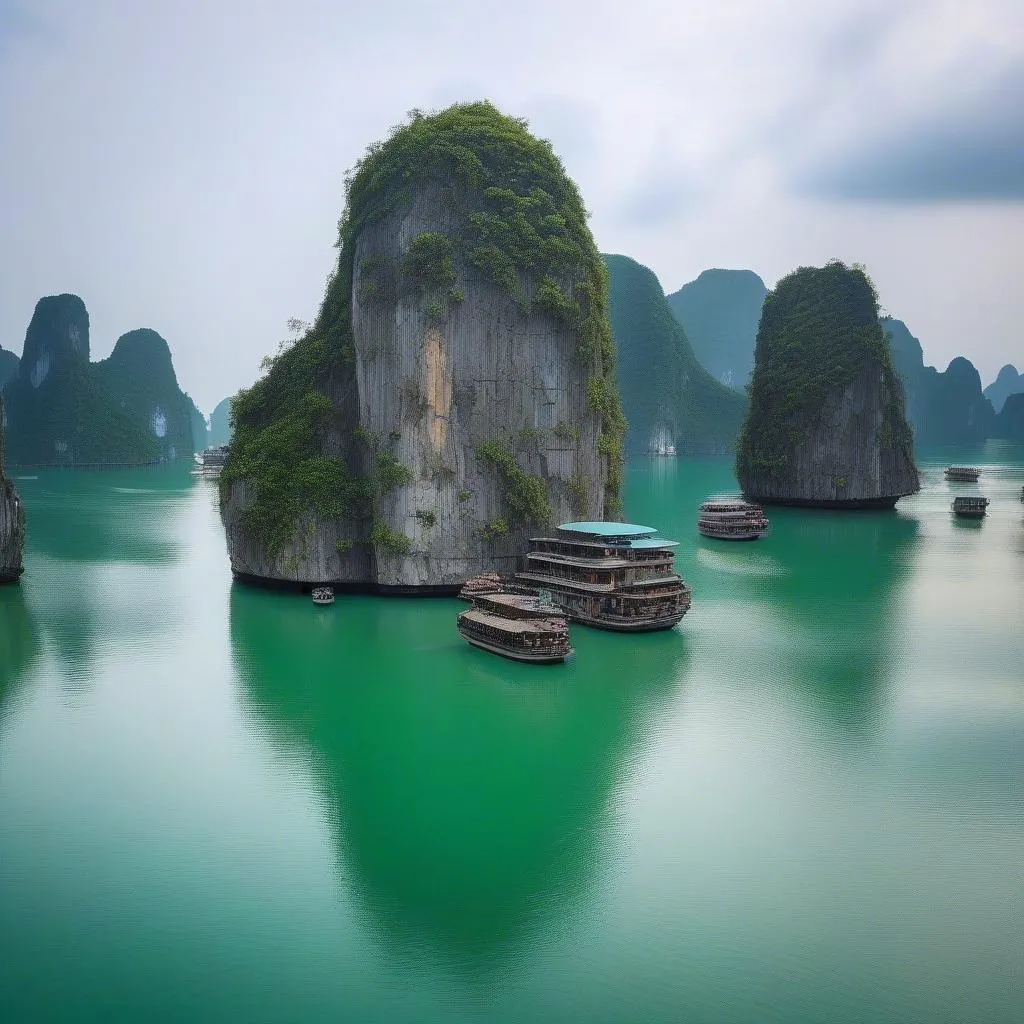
(971, 152)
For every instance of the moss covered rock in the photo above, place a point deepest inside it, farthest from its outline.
(12, 520)
(459, 374)
(667, 396)
(826, 424)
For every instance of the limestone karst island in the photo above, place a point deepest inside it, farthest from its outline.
(457, 390)
(826, 424)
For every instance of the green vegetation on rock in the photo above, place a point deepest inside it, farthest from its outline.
(666, 394)
(819, 334)
(9, 363)
(523, 228)
(526, 494)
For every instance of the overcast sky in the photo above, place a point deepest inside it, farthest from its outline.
(180, 164)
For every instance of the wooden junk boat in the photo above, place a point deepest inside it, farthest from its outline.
(610, 575)
(493, 583)
(963, 474)
(211, 461)
(970, 508)
(517, 626)
(732, 520)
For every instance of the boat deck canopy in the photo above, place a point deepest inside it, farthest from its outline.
(608, 529)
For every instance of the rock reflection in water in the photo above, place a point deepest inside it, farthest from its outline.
(470, 793)
(19, 645)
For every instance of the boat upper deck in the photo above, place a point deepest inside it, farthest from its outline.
(555, 626)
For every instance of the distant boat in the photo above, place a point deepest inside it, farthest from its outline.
(323, 595)
(732, 520)
(970, 508)
(963, 474)
(664, 450)
(211, 461)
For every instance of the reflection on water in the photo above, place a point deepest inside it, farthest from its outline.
(470, 792)
(19, 644)
(89, 532)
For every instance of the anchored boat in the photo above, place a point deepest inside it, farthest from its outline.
(516, 626)
(616, 576)
(211, 461)
(732, 520)
(970, 508)
(963, 474)
(323, 595)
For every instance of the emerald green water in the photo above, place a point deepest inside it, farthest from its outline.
(804, 804)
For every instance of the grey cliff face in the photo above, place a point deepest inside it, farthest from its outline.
(840, 463)
(12, 521)
(426, 391)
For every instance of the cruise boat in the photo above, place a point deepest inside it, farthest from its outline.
(667, 450)
(970, 508)
(616, 576)
(211, 461)
(493, 583)
(963, 474)
(732, 520)
(516, 626)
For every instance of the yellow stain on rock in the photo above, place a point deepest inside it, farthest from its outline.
(437, 387)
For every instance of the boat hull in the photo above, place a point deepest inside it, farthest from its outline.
(746, 535)
(530, 657)
(624, 625)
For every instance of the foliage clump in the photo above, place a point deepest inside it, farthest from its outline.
(391, 541)
(278, 427)
(526, 494)
(819, 328)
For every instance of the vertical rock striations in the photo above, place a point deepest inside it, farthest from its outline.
(12, 520)
(826, 424)
(456, 392)
(667, 396)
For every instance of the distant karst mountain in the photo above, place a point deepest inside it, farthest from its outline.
(220, 423)
(667, 396)
(1008, 382)
(64, 410)
(826, 425)
(1009, 424)
(720, 312)
(943, 408)
(9, 363)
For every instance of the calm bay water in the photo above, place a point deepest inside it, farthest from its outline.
(804, 804)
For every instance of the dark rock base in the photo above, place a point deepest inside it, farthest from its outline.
(861, 503)
(11, 575)
(348, 587)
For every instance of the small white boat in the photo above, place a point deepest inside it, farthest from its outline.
(211, 461)
(323, 595)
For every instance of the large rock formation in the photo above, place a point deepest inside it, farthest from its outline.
(456, 393)
(720, 312)
(64, 410)
(1008, 382)
(1009, 424)
(667, 396)
(943, 408)
(140, 373)
(9, 363)
(12, 520)
(826, 424)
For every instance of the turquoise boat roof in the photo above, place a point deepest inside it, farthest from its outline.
(654, 542)
(608, 529)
